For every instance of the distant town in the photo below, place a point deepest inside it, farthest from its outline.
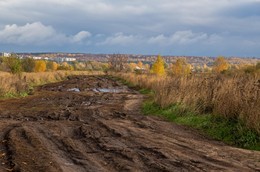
(146, 59)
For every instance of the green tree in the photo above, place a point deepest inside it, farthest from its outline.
(13, 64)
(158, 66)
(2, 66)
(28, 65)
(1, 59)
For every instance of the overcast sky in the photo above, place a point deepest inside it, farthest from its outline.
(167, 27)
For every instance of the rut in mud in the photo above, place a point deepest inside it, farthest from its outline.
(94, 123)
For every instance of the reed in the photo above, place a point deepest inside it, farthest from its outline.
(234, 97)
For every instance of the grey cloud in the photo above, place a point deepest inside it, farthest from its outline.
(244, 10)
(79, 37)
(120, 39)
(184, 37)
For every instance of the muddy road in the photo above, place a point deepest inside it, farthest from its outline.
(93, 123)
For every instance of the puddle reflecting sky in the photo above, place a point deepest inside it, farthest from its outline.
(109, 90)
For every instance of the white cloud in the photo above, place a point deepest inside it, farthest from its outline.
(79, 37)
(37, 34)
(29, 33)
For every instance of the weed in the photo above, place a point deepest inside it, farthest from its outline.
(230, 131)
(21, 85)
(231, 97)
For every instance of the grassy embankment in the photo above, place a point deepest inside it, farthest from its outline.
(20, 85)
(225, 108)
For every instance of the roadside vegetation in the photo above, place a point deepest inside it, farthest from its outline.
(222, 102)
(21, 85)
(19, 76)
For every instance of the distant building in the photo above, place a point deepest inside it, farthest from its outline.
(4, 54)
(64, 59)
(37, 58)
(70, 59)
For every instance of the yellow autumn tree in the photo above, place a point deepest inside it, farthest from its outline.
(181, 67)
(220, 65)
(158, 66)
(40, 66)
(52, 66)
(65, 66)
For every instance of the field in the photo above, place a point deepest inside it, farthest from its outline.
(94, 123)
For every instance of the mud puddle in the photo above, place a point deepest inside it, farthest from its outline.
(109, 90)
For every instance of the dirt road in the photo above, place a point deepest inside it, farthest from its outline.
(93, 123)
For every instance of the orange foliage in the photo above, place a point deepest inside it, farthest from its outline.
(40, 66)
(158, 66)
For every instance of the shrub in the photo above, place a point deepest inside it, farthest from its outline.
(28, 65)
(13, 64)
(52, 66)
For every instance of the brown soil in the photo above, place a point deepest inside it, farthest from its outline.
(60, 130)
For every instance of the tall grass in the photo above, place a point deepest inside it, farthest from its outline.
(236, 97)
(18, 85)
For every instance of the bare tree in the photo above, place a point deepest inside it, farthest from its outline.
(118, 62)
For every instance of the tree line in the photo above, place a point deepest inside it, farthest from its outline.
(119, 63)
(180, 67)
(16, 65)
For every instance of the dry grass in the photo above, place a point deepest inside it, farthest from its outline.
(235, 97)
(15, 85)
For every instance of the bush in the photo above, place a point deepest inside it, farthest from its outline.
(13, 64)
(65, 66)
(28, 65)
(52, 66)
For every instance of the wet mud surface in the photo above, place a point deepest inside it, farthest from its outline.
(94, 123)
